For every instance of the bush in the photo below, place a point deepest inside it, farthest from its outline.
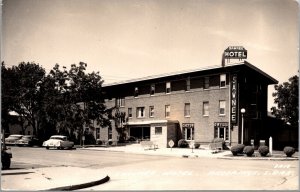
(249, 150)
(196, 145)
(183, 143)
(99, 142)
(289, 151)
(237, 149)
(263, 150)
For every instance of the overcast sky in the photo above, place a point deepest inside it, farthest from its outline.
(125, 39)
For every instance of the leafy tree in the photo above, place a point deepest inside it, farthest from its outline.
(20, 91)
(286, 98)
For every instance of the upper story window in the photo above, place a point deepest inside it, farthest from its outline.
(136, 92)
(151, 111)
(168, 87)
(187, 109)
(188, 84)
(167, 110)
(140, 112)
(206, 82)
(206, 108)
(222, 107)
(120, 102)
(223, 80)
(152, 89)
(130, 112)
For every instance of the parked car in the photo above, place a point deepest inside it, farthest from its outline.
(12, 139)
(58, 142)
(29, 140)
(6, 156)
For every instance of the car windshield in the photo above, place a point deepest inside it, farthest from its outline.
(27, 137)
(14, 137)
(59, 138)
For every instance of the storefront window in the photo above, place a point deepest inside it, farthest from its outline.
(158, 130)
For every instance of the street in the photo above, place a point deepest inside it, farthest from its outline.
(144, 172)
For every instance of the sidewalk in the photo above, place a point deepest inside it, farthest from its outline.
(51, 178)
(203, 151)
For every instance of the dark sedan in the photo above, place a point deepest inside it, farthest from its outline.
(29, 140)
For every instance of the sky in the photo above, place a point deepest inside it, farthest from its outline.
(127, 39)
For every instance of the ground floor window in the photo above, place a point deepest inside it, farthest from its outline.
(188, 131)
(109, 133)
(221, 130)
(97, 133)
(142, 133)
(158, 130)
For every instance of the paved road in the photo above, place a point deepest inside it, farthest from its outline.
(143, 172)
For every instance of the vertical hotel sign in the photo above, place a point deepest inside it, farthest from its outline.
(234, 99)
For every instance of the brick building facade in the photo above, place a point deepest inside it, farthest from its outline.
(196, 105)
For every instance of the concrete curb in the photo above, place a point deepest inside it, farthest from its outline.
(80, 186)
(260, 158)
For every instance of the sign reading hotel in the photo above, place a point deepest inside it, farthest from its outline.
(233, 98)
(235, 52)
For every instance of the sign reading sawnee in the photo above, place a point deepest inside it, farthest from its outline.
(235, 52)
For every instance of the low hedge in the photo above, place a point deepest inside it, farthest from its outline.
(237, 149)
(183, 143)
(248, 150)
(263, 150)
(289, 151)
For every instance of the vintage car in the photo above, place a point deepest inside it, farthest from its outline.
(28, 140)
(12, 139)
(58, 142)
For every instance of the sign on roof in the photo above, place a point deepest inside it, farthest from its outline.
(235, 52)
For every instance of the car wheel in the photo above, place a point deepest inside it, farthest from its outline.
(47, 147)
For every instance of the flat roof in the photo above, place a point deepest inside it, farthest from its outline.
(245, 63)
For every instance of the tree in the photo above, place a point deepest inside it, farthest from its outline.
(20, 91)
(286, 98)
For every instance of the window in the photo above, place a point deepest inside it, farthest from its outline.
(109, 132)
(130, 112)
(120, 102)
(168, 87)
(140, 112)
(222, 108)
(188, 84)
(152, 89)
(97, 133)
(158, 130)
(167, 110)
(206, 82)
(136, 92)
(189, 133)
(206, 108)
(223, 80)
(186, 109)
(151, 111)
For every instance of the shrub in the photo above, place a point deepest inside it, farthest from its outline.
(99, 142)
(289, 151)
(249, 150)
(263, 150)
(197, 145)
(183, 143)
(237, 149)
